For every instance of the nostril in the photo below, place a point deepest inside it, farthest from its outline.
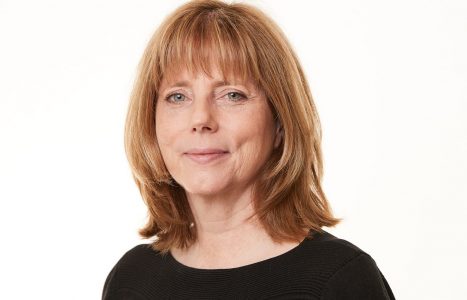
(202, 128)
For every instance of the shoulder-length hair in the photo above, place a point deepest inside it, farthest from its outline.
(241, 40)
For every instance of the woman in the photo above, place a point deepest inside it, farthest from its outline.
(224, 142)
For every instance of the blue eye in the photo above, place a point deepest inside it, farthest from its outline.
(176, 97)
(236, 96)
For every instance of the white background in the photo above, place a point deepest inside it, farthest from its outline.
(389, 79)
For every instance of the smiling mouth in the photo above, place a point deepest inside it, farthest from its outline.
(206, 156)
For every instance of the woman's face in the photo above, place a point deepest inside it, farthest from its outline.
(214, 136)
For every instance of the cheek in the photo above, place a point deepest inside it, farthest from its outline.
(166, 127)
(254, 135)
(262, 126)
(166, 140)
(165, 135)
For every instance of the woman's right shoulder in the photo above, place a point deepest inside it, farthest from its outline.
(142, 253)
(135, 268)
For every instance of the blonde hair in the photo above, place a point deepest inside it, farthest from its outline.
(241, 40)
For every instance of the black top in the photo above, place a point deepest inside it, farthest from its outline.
(324, 267)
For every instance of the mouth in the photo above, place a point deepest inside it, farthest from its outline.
(204, 156)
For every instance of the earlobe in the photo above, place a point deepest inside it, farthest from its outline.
(279, 135)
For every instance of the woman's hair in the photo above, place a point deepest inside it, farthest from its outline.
(242, 41)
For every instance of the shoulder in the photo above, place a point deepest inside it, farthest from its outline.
(133, 273)
(141, 253)
(325, 247)
(346, 271)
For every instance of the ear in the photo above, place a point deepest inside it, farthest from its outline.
(279, 134)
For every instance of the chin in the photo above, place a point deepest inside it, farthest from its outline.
(205, 188)
(204, 191)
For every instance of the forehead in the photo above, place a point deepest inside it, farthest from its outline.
(179, 75)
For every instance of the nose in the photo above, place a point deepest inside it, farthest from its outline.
(203, 118)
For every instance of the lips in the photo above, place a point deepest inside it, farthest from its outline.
(205, 155)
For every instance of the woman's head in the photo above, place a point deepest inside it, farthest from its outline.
(207, 41)
(214, 134)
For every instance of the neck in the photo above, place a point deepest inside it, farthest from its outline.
(219, 215)
(227, 236)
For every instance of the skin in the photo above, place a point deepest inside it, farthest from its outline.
(214, 137)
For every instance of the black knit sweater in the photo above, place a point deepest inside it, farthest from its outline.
(323, 267)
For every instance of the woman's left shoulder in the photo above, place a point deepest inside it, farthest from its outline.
(327, 246)
(347, 271)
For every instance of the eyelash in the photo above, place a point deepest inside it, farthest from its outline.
(168, 98)
(241, 95)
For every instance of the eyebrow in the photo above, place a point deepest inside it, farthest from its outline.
(185, 83)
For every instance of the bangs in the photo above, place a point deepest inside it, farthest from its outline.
(203, 41)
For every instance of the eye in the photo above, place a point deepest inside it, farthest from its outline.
(175, 97)
(236, 96)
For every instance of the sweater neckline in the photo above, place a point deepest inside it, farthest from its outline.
(268, 261)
